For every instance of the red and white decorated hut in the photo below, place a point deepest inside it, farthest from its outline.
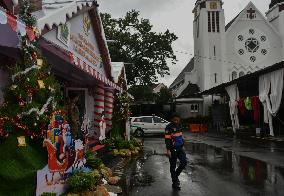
(73, 41)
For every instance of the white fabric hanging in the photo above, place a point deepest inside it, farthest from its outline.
(271, 103)
(233, 93)
(264, 87)
(276, 91)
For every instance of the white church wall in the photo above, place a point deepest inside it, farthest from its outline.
(238, 58)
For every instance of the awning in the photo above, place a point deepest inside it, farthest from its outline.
(248, 82)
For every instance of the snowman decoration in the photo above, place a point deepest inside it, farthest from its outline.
(102, 125)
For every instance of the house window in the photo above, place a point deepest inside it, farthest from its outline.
(215, 77)
(214, 50)
(194, 108)
(209, 21)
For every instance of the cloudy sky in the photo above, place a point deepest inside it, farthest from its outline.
(175, 15)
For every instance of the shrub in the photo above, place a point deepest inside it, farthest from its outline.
(92, 161)
(81, 181)
(48, 194)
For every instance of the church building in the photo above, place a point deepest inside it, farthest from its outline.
(224, 52)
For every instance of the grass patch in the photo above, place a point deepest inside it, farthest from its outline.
(18, 166)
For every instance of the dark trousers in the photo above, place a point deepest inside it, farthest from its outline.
(177, 154)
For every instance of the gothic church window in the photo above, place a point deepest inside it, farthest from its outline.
(197, 27)
(209, 21)
(252, 58)
(241, 74)
(234, 75)
(217, 22)
(213, 22)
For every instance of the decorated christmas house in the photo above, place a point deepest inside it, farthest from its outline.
(72, 40)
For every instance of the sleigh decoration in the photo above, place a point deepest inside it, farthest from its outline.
(63, 151)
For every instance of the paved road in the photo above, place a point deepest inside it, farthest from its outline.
(214, 169)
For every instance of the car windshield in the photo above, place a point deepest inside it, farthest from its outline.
(147, 119)
(158, 120)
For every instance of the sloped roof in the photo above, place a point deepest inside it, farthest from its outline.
(191, 91)
(232, 21)
(55, 12)
(188, 68)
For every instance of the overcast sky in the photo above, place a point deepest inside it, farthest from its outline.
(175, 15)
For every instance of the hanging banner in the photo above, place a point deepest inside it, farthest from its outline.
(16, 25)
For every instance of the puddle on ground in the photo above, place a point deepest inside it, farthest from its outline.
(258, 177)
(247, 171)
(134, 175)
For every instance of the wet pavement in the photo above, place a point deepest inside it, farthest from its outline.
(216, 167)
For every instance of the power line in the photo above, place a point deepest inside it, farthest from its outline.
(218, 59)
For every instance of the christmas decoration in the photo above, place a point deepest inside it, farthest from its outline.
(63, 151)
(21, 141)
(28, 103)
(39, 62)
(41, 84)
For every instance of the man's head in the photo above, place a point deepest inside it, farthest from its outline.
(175, 119)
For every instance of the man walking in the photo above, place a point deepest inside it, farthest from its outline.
(174, 144)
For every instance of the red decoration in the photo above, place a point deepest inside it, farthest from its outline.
(12, 21)
(30, 33)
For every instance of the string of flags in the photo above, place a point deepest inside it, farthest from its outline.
(16, 25)
(91, 71)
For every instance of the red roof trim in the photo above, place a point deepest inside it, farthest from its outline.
(96, 23)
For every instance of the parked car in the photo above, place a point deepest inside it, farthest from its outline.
(147, 125)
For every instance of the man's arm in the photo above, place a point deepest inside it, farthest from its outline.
(168, 140)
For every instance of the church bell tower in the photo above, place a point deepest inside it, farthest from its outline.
(209, 42)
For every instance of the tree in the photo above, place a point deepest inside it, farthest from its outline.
(142, 93)
(164, 96)
(34, 92)
(145, 52)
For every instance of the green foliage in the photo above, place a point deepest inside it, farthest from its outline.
(18, 166)
(142, 93)
(164, 96)
(48, 194)
(25, 98)
(80, 182)
(119, 143)
(147, 51)
(92, 161)
(25, 9)
(121, 113)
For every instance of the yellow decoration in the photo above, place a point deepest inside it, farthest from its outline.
(39, 62)
(21, 141)
(41, 84)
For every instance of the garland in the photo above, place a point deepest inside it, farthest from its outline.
(25, 71)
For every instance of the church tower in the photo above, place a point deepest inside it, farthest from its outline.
(209, 42)
(275, 16)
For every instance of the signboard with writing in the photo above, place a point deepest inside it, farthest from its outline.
(81, 40)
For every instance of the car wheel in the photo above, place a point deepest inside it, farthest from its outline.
(139, 133)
